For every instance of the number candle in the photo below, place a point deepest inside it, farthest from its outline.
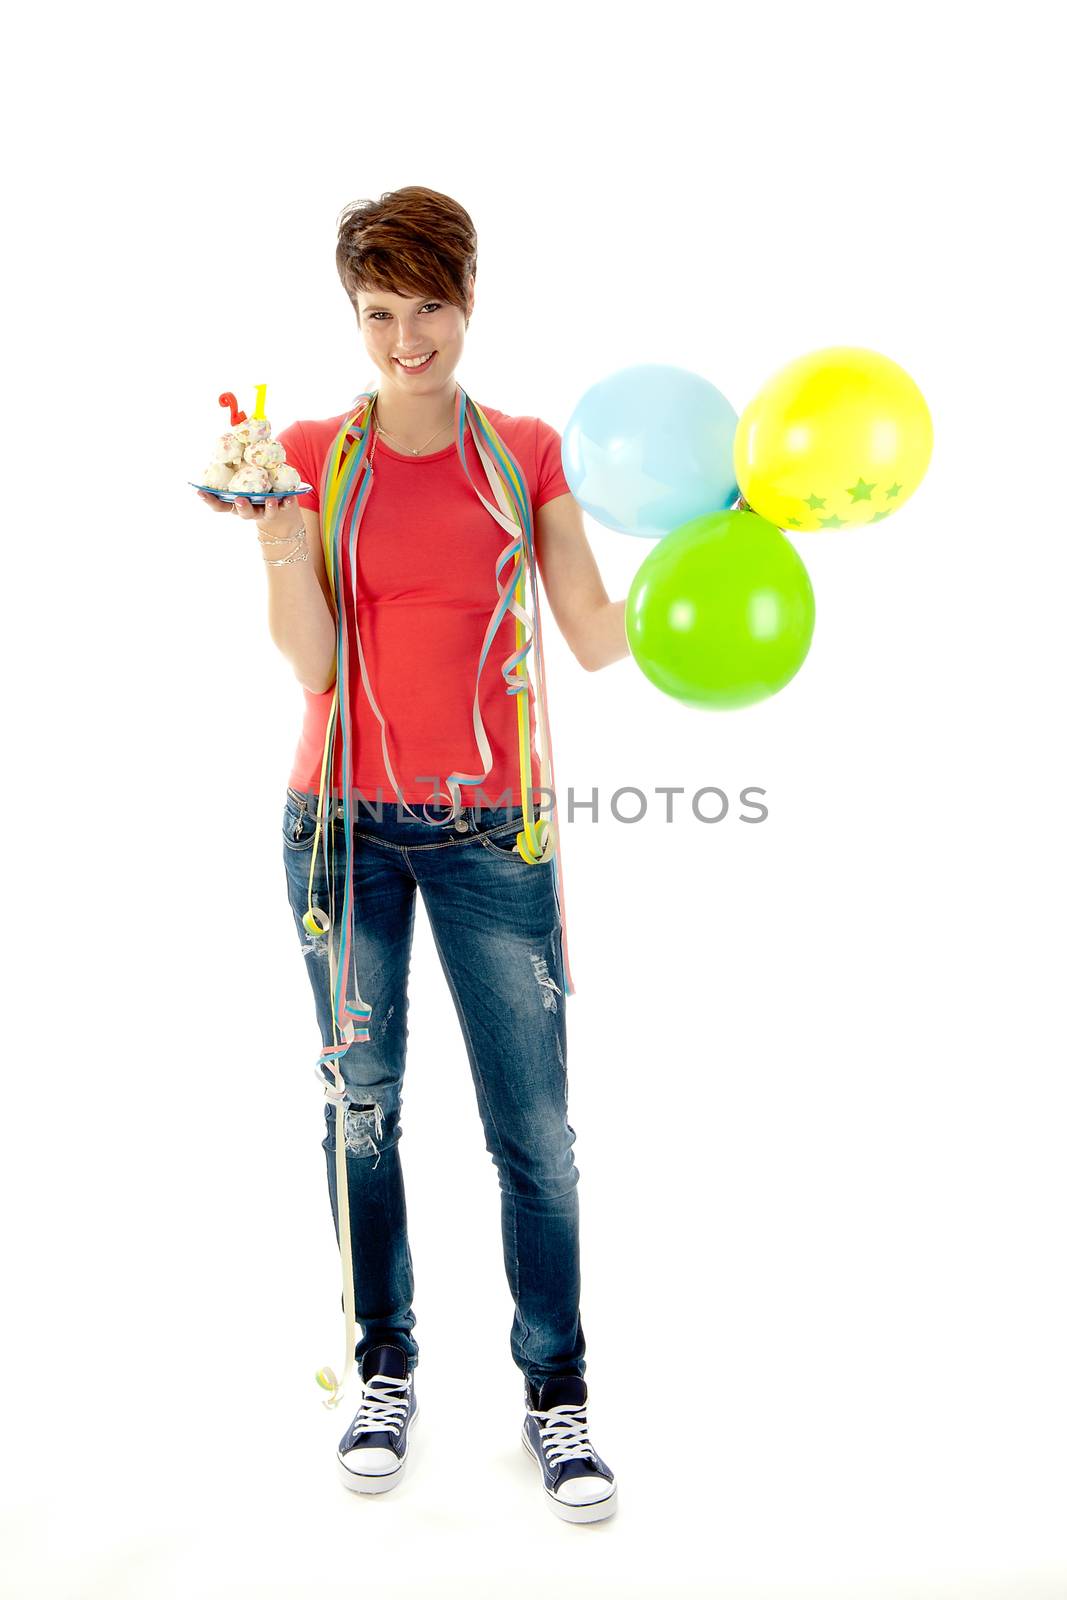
(235, 415)
(261, 399)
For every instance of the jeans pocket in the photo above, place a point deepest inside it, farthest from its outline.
(501, 838)
(298, 827)
(502, 842)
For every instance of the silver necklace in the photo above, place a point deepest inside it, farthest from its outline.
(405, 447)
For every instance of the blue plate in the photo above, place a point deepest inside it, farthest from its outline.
(256, 499)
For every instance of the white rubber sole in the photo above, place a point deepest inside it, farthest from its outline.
(596, 1511)
(377, 1482)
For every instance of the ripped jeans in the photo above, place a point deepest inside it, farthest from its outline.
(496, 924)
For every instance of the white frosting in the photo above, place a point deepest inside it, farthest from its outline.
(228, 447)
(265, 453)
(249, 480)
(252, 430)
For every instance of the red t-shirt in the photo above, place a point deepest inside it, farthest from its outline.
(426, 556)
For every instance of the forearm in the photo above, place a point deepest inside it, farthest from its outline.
(301, 622)
(605, 636)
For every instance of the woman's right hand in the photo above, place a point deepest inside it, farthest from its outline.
(280, 516)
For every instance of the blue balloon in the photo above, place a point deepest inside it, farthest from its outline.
(650, 448)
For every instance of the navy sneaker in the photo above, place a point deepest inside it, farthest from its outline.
(579, 1486)
(373, 1453)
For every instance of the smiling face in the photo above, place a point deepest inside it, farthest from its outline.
(393, 326)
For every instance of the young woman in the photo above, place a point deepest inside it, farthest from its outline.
(410, 775)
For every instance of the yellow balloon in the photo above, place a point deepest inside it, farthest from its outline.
(836, 439)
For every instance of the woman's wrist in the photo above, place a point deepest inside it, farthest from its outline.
(283, 549)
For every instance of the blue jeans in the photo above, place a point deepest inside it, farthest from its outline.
(497, 927)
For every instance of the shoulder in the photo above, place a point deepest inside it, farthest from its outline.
(315, 433)
(536, 443)
(307, 443)
(517, 430)
(539, 448)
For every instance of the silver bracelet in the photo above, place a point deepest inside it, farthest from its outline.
(300, 554)
(281, 538)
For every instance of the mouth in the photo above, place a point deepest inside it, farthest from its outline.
(422, 366)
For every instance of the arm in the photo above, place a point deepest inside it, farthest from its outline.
(592, 624)
(300, 613)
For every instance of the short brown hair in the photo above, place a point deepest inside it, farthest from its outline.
(411, 241)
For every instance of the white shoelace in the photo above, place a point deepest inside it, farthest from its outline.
(565, 1435)
(384, 1408)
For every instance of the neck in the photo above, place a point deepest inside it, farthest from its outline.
(412, 419)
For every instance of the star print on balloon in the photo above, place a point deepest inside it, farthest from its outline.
(822, 436)
(858, 491)
(614, 487)
(649, 448)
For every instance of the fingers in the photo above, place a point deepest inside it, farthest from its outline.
(253, 513)
(274, 507)
(212, 500)
(244, 507)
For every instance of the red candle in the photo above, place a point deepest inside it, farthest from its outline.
(236, 416)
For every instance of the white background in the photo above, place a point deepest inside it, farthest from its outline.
(816, 1066)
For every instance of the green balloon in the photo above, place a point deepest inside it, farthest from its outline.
(721, 612)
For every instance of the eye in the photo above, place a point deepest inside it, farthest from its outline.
(436, 304)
